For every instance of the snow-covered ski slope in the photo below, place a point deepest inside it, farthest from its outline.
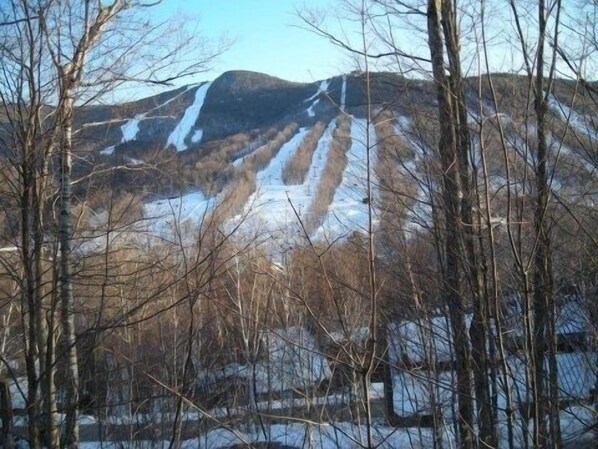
(185, 126)
(579, 124)
(274, 213)
(344, 93)
(322, 89)
(131, 127)
(165, 216)
(272, 210)
(349, 210)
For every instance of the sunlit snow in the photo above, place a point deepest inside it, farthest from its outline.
(575, 120)
(322, 89)
(274, 209)
(185, 126)
(350, 209)
(344, 93)
(131, 128)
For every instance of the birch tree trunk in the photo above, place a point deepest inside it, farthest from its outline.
(71, 429)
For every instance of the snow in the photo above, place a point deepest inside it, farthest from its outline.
(108, 151)
(556, 145)
(339, 435)
(133, 161)
(418, 385)
(294, 361)
(190, 117)
(419, 215)
(322, 89)
(344, 93)
(272, 210)
(18, 392)
(197, 136)
(131, 128)
(311, 110)
(416, 392)
(165, 215)
(577, 423)
(575, 120)
(349, 209)
(576, 375)
(422, 340)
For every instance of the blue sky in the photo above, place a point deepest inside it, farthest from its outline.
(266, 37)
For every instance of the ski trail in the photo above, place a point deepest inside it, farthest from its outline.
(271, 212)
(311, 110)
(349, 210)
(344, 93)
(185, 126)
(568, 115)
(322, 89)
(131, 128)
(165, 214)
(271, 176)
(108, 151)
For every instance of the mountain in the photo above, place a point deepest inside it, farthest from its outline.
(284, 159)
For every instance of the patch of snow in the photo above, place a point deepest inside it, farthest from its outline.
(131, 128)
(322, 88)
(108, 151)
(311, 110)
(419, 215)
(184, 127)
(197, 136)
(18, 392)
(557, 145)
(294, 361)
(133, 161)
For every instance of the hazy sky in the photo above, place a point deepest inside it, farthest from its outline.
(266, 37)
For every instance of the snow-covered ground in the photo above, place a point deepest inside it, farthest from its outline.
(576, 424)
(164, 216)
(575, 120)
(341, 435)
(349, 209)
(344, 93)
(108, 151)
(131, 128)
(322, 89)
(419, 214)
(185, 126)
(273, 209)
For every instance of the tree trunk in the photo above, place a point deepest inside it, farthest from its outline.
(5, 415)
(454, 256)
(542, 276)
(71, 429)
